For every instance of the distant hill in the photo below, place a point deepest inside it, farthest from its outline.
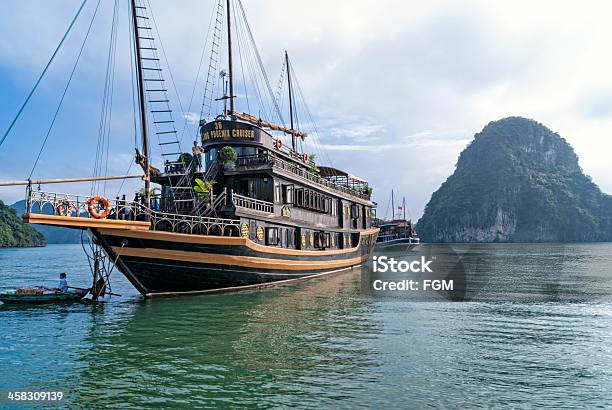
(517, 181)
(15, 233)
(53, 234)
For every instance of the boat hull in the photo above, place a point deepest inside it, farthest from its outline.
(400, 243)
(37, 299)
(165, 263)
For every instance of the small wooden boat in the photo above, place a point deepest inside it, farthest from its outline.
(44, 297)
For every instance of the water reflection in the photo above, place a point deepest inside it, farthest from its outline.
(246, 342)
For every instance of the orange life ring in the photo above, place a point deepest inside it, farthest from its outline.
(103, 207)
(278, 144)
(65, 208)
(305, 157)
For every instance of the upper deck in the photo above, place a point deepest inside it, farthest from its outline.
(259, 149)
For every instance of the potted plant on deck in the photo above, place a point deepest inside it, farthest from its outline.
(228, 157)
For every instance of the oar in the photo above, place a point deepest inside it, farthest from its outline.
(89, 289)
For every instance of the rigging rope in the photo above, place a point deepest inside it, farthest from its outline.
(244, 83)
(213, 64)
(133, 80)
(59, 105)
(316, 134)
(195, 84)
(106, 114)
(253, 72)
(42, 74)
(150, 9)
(110, 109)
(259, 61)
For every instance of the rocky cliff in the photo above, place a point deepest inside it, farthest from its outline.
(517, 181)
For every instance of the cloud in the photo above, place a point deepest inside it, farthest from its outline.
(397, 88)
(191, 118)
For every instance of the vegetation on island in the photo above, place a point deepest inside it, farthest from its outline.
(15, 233)
(517, 181)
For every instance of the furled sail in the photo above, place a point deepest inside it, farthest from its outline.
(266, 124)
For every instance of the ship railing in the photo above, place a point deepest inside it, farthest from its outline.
(252, 203)
(310, 176)
(193, 224)
(53, 203)
(257, 160)
(252, 160)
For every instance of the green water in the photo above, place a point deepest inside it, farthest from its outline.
(545, 339)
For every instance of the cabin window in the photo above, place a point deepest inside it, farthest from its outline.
(277, 193)
(288, 194)
(322, 240)
(354, 239)
(299, 197)
(251, 189)
(289, 238)
(211, 155)
(354, 211)
(252, 230)
(272, 237)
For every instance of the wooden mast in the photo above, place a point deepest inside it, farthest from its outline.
(290, 100)
(229, 55)
(142, 105)
(392, 207)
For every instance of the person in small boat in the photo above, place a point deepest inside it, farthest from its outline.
(63, 284)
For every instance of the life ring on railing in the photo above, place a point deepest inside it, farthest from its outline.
(103, 207)
(278, 144)
(64, 208)
(305, 158)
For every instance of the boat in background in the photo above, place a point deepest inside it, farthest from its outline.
(397, 232)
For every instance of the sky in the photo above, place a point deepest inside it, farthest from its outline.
(397, 88)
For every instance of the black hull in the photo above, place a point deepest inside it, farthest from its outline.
(161, 263)
(161, 276)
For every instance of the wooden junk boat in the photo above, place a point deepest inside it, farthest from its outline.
(244, 210)
(397, 232)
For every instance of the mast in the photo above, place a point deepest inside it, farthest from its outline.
(141, 103)
(404, 207)
(229, 55)
(290, 99)
(392, 207)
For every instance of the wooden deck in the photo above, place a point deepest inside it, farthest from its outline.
(77, 222)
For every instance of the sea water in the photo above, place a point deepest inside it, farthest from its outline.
(543, 339)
